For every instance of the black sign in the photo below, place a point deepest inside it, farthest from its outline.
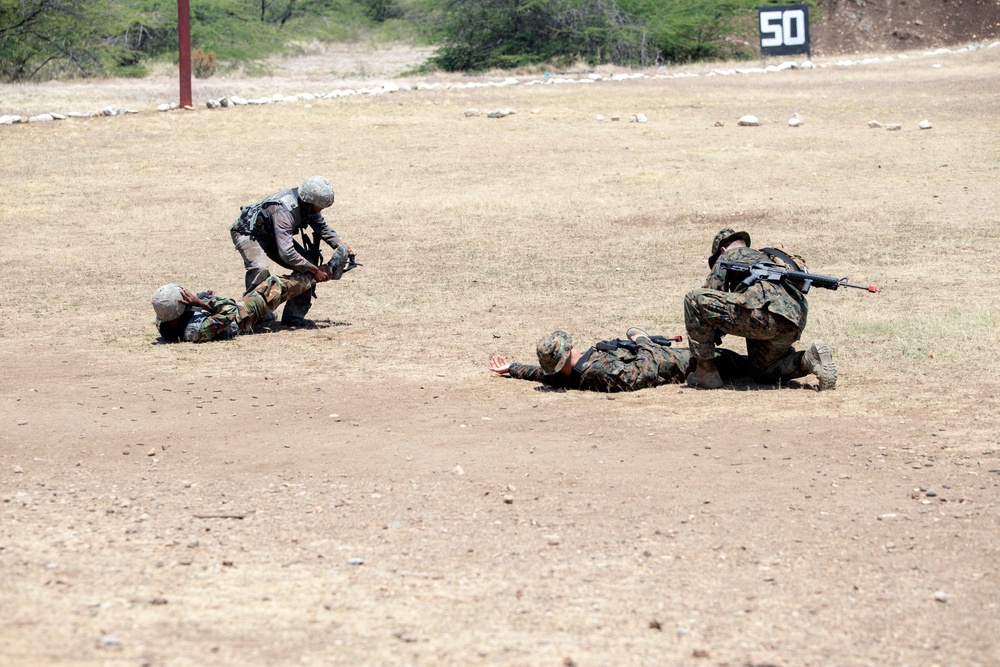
(784, 30)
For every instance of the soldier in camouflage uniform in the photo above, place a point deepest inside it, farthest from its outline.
(770, 315)
(195, 318)
(611, 370)
(267, 229)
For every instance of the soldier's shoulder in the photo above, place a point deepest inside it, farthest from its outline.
(745, 255)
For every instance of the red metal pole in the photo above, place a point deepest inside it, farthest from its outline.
(184, 49)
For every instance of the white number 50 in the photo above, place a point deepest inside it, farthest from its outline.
(785, 28)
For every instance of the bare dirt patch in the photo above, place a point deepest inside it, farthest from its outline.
(364, 493)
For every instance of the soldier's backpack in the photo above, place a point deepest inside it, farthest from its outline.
(789, 262)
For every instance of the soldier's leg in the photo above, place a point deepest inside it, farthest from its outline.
(254, 259)
(709, 313)
(769, 347)
(296, 309)
(672, 363)
(266, 297)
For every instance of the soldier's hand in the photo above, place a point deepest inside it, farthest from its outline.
(190, 298)
(499, 365)
(319, 274)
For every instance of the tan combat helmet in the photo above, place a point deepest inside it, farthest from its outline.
(554, 351)
(167, 302)
(316, 190)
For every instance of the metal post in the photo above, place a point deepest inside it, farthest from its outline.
(184, 49)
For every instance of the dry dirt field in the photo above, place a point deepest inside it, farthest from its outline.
(365, 493)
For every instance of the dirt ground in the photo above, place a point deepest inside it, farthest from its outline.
(366, 493)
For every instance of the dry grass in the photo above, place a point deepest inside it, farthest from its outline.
(764, 527)
(480, 234)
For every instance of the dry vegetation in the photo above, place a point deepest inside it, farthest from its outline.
(753, 526)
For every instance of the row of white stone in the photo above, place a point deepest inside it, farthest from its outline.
(386, 88)
(48, 117)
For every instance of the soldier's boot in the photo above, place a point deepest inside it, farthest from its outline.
(295, 311)
(818, 360)
(705, 375)
(635, 332)
(335, 267)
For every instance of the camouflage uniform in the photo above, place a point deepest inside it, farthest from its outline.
(226, 318)
(622, 370)
(267, 229)
(771, 316)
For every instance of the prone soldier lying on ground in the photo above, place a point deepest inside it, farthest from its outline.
(185, 316)
(613, 366)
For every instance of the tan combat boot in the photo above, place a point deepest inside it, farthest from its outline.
(818, 360)
(705, 376)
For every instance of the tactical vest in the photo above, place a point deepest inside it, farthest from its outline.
(254, 221)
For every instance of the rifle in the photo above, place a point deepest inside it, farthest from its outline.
(631, 346)
(775, 273)
(313, 253)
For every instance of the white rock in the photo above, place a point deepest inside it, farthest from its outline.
(41, 118)
(80, 114)
(936, 66)
(874, 124)
(238, 101)
(302, 96)
(893, 127)
(470, 113)
(163, 107)
(458, 470)
(594, 76)
(212, 104)
(925, 125)
(641, 118)
(499, 113)
(599, 117)
(58, 116)
(631, 118)
(748, 121)
(6, 120)
(794, 122)
(108, 111)
(536, 111)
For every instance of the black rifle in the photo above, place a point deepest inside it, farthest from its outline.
(631, 346)
(776, 273)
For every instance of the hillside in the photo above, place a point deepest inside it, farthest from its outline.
(849, 26)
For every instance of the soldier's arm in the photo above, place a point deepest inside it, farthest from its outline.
(326, 232)
(284, 237)
(535, 374)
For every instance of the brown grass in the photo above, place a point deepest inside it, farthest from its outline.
(480, 234)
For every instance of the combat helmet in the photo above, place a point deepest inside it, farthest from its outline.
(554, 351)
(316, 190)
(721, 239)
(167, 302)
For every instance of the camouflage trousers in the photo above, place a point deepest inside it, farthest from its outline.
(265, 298)
(256, 253)
(710, 314)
